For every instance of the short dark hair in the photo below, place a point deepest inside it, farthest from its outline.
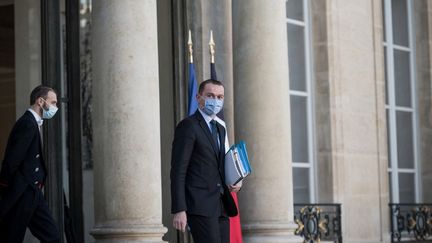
(40, 91)
(209, 81)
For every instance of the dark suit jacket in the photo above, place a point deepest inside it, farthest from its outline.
(197, 168)
(23, 163)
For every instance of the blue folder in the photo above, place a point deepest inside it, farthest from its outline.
(237, 166)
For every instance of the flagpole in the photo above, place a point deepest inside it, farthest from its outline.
(190, 47)
(212, 47)
(192, 83)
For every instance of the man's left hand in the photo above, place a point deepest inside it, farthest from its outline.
(235, 188)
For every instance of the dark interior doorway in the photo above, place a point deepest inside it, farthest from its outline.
(7, 74)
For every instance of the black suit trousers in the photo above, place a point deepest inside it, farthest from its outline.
(30, 211)
(209, 229)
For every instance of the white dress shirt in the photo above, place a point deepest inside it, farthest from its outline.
(39, 119)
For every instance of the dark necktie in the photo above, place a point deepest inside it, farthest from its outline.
(214, 132)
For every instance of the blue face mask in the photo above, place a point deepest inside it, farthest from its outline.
(48, 114)
(212, 106)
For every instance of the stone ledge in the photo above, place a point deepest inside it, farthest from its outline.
(137, 233)
(270, 232)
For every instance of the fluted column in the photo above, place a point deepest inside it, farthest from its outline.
(127, 173)
(262, 119)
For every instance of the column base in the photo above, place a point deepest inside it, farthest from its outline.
(125, 233)
(270, 232)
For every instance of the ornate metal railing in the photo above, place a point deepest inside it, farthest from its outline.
(318, 222)
(411, 222)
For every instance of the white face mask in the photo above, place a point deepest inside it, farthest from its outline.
(50, 112)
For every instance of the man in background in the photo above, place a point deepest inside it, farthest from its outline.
(23, 175)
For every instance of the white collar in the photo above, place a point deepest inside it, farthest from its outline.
(39, 120)
(207, 118)
(220, 121)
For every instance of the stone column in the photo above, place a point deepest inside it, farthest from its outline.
(127, 164)
(262, 119)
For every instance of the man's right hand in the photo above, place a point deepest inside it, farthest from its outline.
(180, 221)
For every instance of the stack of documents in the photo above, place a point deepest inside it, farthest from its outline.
(237, 165)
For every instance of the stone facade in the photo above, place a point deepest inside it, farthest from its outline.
(357, 118)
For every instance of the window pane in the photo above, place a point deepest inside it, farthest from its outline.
(388, 139)
(294, 9)
(299, 133)
(386, 75)
(296, 57)
(400, 22)
(301, 185)
(402, 78)
(406, 188)
(390, 187)
(405, 146)
(383, 20)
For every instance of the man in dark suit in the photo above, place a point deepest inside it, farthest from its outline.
(197, 170)
(23, 175)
